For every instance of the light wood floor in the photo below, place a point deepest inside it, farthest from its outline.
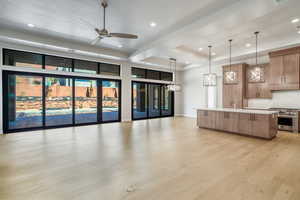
(160, 159)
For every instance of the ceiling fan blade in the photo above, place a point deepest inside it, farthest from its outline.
(96, 40)
(123, 35)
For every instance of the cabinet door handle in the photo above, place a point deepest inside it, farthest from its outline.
(284, 79)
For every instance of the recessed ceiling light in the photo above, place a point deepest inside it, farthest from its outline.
(120, 46)
(153, 24)
(248, 45)
(187, 62)
(299, 31)
(213, 53)
(296, 20)
(200, 49)
(30, 25)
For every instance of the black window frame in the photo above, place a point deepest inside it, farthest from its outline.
(150, 70)
(87, 61)
(141, 69)
(71, 66)
(4, 50)
(5, 120)
(160, 100)
(114, 65)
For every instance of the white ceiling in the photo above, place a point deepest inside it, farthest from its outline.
(182, 25)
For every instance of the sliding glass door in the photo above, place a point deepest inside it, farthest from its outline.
(110, 100)
(24, 101)
(85, 101)
(58, 105)
(154, 100)
(38, 101)
(166, 101)
(151, 100)
(139, 100)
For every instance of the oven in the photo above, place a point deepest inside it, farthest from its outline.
(288, 120)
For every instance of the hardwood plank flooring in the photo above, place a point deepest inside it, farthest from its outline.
(159, 159)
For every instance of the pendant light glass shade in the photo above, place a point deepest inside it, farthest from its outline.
(209, 79)
(230, 77)
(256, 74)
(173, 86)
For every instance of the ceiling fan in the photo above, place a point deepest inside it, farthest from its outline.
(104, 33)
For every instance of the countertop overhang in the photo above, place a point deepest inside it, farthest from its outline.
(248, 111)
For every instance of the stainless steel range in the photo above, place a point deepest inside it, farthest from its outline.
(288, 119)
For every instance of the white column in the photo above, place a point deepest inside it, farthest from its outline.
(126, 92)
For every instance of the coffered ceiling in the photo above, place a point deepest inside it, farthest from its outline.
(182, 27)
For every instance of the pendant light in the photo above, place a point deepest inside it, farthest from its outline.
(230, 77)
(173, 86)
(209, 79)
(256, 74)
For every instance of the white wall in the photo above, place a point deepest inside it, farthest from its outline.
(125, 76)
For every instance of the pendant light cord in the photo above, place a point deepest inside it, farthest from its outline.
(173, 62)
(209, 58)
(256, 51)
(230, 45)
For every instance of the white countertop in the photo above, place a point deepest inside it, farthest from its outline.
(263, 112)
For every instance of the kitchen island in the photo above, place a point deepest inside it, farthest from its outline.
(257, 123)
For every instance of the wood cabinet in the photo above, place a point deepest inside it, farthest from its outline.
(285, 69)
(245, 126)
(207, 119)
(258, 89)
(234, 93)
(257, 125)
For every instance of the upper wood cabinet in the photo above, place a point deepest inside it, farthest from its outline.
(285, 69)
(258, 88)
(234, 92)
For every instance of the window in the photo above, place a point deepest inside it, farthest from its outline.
(58, 95)
(85, 66)
(22, 59)
(110, 100)
(151, 74)
(24, 101)
(138, 73)
(166, 76)
(109, 69)
(58, 63)
(34, 60)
